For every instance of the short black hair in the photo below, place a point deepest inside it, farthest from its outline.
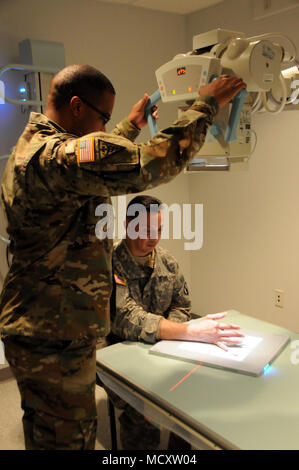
(150, 204)
(79, 80)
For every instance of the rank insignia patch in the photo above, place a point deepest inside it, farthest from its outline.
(107, 148)
(85, 152)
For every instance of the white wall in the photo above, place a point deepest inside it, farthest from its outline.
(251, 219)
(126, 43)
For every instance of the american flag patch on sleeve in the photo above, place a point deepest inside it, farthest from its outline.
(85, 151)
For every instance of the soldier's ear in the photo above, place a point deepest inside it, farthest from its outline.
(76, 106)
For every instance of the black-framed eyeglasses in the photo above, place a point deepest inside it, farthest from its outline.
(105, 116)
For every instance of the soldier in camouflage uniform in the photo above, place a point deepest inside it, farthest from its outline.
(148, 287)
(151, 302)
(55, 298)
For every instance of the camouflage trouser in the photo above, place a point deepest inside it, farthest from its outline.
(136, 432)
(56, 380)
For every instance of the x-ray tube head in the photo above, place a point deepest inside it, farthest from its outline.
(258, 63)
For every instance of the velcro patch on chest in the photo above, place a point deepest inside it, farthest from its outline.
(120, 280)
(108, 148)
(85, 150)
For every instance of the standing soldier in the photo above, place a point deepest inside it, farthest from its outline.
(55, 298)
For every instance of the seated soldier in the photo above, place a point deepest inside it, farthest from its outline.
(152, 303)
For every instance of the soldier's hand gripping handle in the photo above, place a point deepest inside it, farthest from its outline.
(223, 89)
(137, 113)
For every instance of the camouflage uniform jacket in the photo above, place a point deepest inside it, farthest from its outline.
(138, 311)
(60, 281)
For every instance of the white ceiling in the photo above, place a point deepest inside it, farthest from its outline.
(172, 6)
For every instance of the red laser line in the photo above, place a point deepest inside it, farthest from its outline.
(189, 373)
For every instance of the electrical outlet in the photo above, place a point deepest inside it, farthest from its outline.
(279, 298)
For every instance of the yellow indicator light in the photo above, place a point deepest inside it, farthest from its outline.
(173, 92)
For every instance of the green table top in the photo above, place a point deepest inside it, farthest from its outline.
(235, 410)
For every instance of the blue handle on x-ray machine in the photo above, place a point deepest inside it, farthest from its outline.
(231, 130)
(154, 98)
(234, 117)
